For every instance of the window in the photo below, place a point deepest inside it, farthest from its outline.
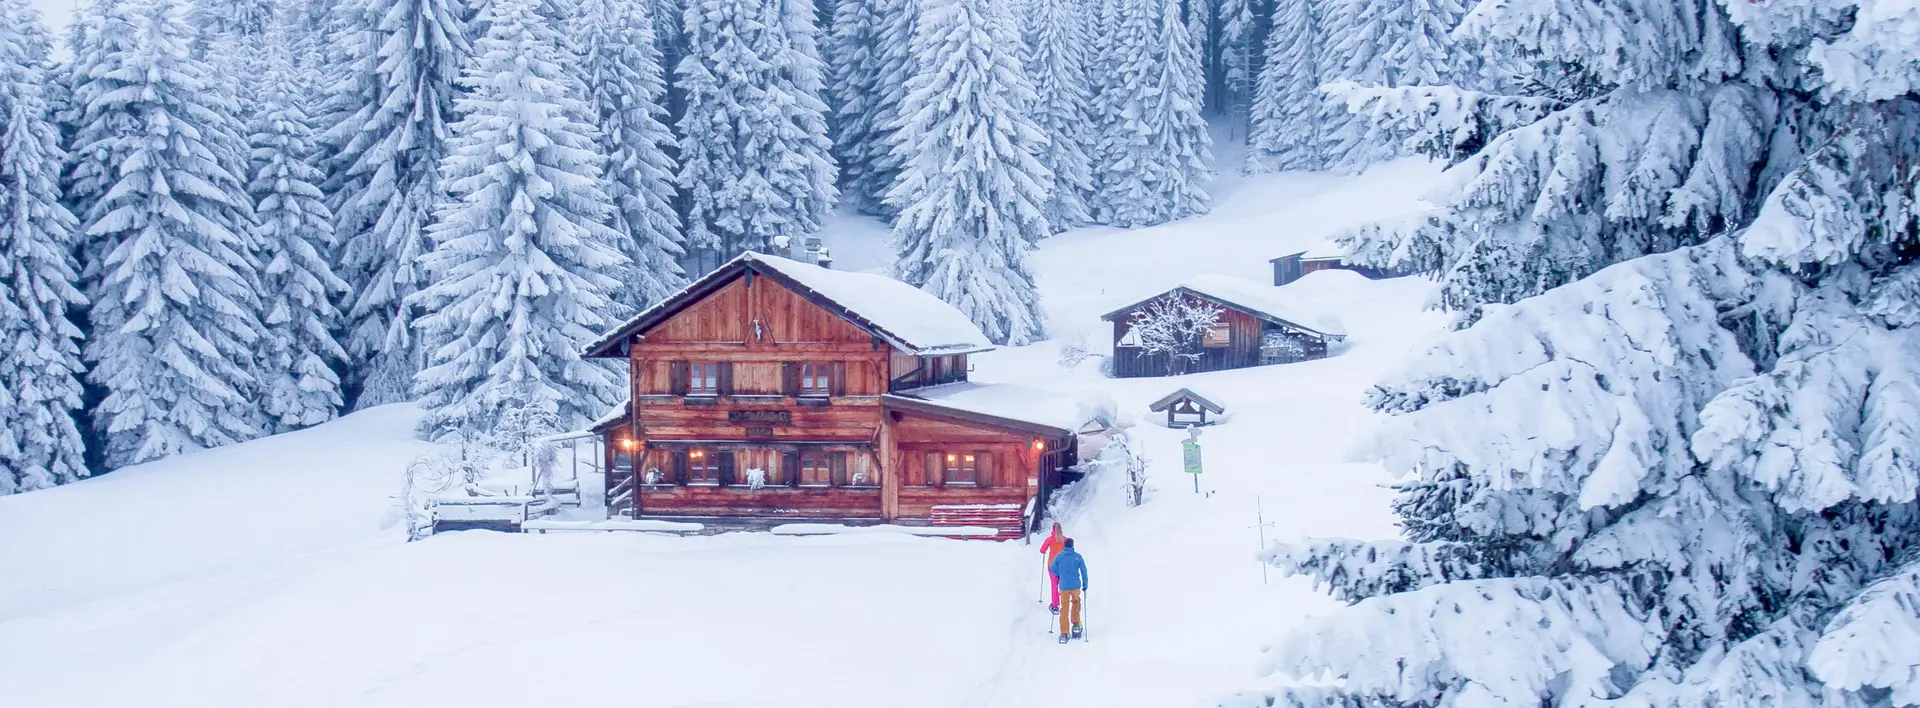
(703, 467)
(816, 468)
(961, 468)
(1216, 336)
(816, 379)
(703, 378)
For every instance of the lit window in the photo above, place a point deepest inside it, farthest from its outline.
(702, 467)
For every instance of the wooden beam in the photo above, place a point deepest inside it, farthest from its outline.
(889, 459)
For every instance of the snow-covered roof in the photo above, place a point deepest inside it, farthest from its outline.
(1188, 393)
(1006, 401)
(905, 316)
(615, 415)
(1265, 301)
(1325, 249)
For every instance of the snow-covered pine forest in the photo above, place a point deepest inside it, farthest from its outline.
(1666, 457)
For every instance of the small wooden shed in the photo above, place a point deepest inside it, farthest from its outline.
(1184, 408)
(1326, 256)
(1258, 325)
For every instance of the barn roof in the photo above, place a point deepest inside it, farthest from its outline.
(1267, 303)
(1015, 406)
(905, 316)
(1188, 394)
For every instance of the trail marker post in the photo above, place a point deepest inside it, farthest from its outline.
(1190, 454)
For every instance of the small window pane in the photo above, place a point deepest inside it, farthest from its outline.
(816, 468)
(703, 379)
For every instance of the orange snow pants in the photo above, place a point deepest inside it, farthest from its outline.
(1069, 610)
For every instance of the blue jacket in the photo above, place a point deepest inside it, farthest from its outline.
(1071, 570)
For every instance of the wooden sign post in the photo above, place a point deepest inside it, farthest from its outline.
(1190, 454)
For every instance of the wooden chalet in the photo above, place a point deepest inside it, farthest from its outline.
(772, 391)
(1258, 326)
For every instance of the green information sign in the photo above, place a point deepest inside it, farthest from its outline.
(1191, 452)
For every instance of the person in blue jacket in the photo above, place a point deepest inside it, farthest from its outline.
(1071, 569)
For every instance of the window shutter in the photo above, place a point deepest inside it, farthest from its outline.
(724, 458)
(837, 385)
(935, 469)
(790, 463)
(677, 378)
(724, 381)
(983, 468)
(837, 465)
(790, 379)
(679, 471)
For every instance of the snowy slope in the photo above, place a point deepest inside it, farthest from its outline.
(261, 575)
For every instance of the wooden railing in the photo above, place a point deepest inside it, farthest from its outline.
(620, 497)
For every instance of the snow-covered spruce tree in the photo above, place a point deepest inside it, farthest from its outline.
(1236, 53)
(755, 166)
(1644, 132)
(93, 161)
(1397, 44)
(1105, 103)
(1289, 113)
(294, 230)
(1156, 152)
(1710, 499)
(626, 91)
(522, 267)
(40, 442)
(853, 57)
(887, 152)
(1056, 59)
(174, 312)
(971, 202)
(391, 99)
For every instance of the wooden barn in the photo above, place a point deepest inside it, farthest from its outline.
(1291, 267)
(772, 391)
(1257, 326)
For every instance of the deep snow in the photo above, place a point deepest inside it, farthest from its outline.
(268, 574)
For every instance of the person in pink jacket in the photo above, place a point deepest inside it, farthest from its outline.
(1051, 549)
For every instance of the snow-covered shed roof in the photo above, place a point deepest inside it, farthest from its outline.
(1188, 394)
(905, 316)
(1323, 250)
(1021, 406)
(1263, 301)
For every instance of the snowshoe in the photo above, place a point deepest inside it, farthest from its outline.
(1063, 639)
(1078, 632)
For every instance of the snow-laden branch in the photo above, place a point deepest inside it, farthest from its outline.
(1445, 122)
(1875, 640)
(1355, 570)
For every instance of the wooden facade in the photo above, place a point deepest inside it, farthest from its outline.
(759, 401)
(1245, 335)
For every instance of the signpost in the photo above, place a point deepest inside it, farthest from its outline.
(1190, 454)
